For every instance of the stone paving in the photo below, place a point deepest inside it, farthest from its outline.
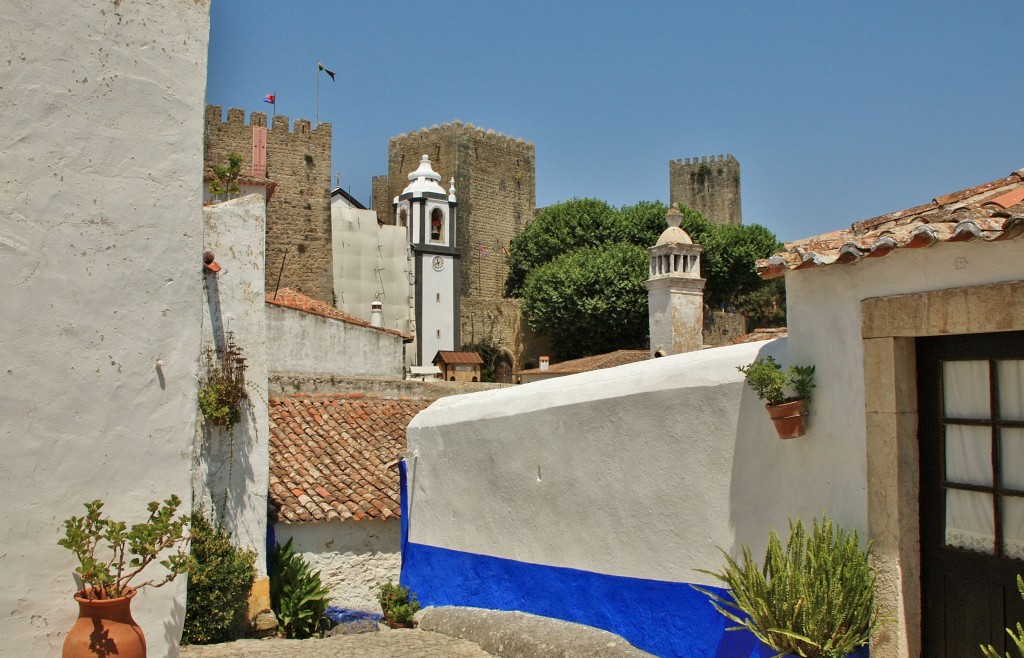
(391, 643)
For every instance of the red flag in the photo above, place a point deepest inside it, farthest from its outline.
(270, 98)
(326, 70)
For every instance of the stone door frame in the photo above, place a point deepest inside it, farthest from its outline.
(889, 327)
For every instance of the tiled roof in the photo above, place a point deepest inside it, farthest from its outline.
(333, 457)
(596, 362)
(989, 212)
(289, 298)
(471, 358)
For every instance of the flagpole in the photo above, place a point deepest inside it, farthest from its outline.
(274, 112)
(316, 119)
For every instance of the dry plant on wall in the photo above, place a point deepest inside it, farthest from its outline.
(222, 393)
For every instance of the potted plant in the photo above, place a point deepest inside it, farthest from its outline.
(225, 179)
(111, 556)
(771, 383)
(222, 391)
(397, 604)
(815, 598)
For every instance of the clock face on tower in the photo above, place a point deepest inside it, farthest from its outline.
(437, 263)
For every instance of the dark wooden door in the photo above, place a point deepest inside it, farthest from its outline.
(971, 440)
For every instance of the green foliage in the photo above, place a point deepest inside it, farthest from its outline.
(226, 178)
(814, 598)
(218, 585)
(128, 551)
(297, 596)
(766, 306)
(556, 230)
(590, 226)
(396, 602)
(489, 352)
(767, 378)
(222, 391)
(727, 261)
(590, 300)
(1018, 637)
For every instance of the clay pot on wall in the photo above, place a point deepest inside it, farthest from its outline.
(105, 628)
(790, 418)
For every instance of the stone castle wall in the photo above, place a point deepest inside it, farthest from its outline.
(710, 185)
(299, 212)
(720, 327)
(495, 183)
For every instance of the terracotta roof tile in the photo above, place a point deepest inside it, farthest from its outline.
(596, 362)
(332, 457)
(471, 358)
(988, 212)
(296, 301)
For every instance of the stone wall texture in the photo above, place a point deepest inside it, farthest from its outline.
(720, 327)
(299, 212)
(495, 183)
(709, 185)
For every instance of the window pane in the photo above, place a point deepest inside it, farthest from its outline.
(1011, 390)
(1012, 463)
(1013, 526)
(969, 521)
(969, 454)
(965, 389)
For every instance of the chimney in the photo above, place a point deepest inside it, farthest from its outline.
(376, 314)
(544, 362)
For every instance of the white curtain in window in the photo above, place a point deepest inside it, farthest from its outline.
(970, 522)
(1013, 526)
(1011, 391)
(965, 389)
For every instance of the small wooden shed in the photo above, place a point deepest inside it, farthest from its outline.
(459, 366)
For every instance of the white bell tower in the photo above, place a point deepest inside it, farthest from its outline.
(428, 213)
(675, 291)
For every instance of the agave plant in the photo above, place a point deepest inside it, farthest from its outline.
(297, 595)
(813, 598)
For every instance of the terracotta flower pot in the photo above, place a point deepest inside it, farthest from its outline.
(105, 629)
(790, 418)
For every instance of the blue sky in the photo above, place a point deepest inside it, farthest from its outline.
(837, 112)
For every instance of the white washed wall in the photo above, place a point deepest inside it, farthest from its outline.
(352, 556)
(232, 473)
(314, 345)
(100, 255)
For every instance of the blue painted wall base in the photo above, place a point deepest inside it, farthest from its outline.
(663, 618)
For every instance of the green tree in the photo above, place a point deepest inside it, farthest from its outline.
(556, 230)
(590, 300)
(727, 261)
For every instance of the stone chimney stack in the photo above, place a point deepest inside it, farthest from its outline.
(675, 291)
(376, 314)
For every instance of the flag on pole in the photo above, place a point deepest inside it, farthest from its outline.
(321, 67)
(270, 98)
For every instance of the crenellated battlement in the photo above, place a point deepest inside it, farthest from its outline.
(457, 126)
(704, 159)
(709, 184)
(281, 123)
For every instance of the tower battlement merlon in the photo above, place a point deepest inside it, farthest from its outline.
(404, 140)
(710, 184)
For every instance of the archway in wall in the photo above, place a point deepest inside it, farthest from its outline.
(503, 368)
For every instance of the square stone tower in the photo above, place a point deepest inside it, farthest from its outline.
(708, 184)
(495, 177)
(298, 161)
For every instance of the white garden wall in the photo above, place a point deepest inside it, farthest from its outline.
(232, 471)
(312, 344)
(351, 556)
(101, 256)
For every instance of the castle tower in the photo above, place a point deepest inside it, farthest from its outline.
(709, 185)
(298, 161)
(428, 213)
(496, 179)
(675, 291)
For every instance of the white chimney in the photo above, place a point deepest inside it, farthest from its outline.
(377, 314)
(544, 363)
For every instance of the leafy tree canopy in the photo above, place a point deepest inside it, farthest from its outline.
(590, 300)
(580, 268)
